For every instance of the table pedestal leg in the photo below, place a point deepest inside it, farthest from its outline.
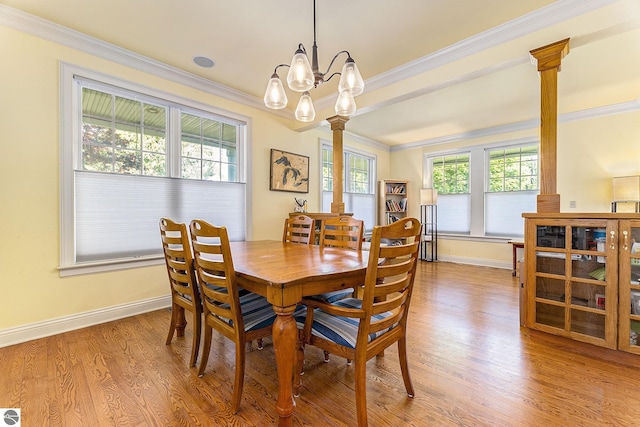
(285, 335)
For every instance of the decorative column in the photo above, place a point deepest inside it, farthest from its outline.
(549, 58)
(337, 126)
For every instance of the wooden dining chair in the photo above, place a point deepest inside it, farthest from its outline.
(184, 287)
(299, 229)
(342, 232)
(359, 329)
(242, 319)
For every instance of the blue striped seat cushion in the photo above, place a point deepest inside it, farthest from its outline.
(342, 330)
(331, 297)
(258, 312)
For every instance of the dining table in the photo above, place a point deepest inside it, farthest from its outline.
(285, 273)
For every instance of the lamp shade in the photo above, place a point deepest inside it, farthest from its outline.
(300, 77)
(350, 78)
(428, 196)
(345, 104)
(305, 111)
(626, 189)
(275, 96)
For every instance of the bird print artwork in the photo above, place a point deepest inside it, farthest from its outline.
(289, 172)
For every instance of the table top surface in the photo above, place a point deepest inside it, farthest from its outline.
(277, 263)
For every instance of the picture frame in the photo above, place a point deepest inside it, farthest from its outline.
(601, 301)
(289, 172)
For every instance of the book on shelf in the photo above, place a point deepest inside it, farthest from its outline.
(396, 189)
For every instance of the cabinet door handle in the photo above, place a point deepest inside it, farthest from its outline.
(613, 236)
(625, 233)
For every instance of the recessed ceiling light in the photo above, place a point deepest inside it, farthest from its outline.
(203, 61)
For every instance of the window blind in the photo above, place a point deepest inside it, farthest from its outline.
(116, 216)
(503, 212)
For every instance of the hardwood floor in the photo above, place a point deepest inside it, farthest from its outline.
(471, 365)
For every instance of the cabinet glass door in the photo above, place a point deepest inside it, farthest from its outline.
(629, 338)
(575, 264)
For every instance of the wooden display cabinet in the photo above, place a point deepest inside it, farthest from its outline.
(571, 277)
(582, 277)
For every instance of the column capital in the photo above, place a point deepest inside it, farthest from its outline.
(551, 55)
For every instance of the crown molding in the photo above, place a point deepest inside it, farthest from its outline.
(30, 24)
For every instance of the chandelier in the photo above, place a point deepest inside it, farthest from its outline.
(304, 76)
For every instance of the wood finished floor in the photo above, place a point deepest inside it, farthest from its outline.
(471, 365)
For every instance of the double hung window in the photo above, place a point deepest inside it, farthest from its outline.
(131, 156)
(484, 191)
(359, 184)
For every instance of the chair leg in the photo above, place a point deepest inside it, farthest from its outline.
(172, 324)
(298, 369)
(404, 366)
(361, 391)
(238, 382)
(205, 350)
(197, 331)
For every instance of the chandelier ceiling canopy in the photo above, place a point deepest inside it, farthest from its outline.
(304, 76)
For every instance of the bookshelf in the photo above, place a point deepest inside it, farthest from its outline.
(392, 200)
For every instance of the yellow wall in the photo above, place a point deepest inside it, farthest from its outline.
(31, 289)
(590, 153)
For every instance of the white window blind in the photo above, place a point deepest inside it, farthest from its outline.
(503, 212)
(363, 206)
(454, 213)
(117, 215)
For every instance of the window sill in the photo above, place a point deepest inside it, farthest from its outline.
(484, 239)
(114, 265)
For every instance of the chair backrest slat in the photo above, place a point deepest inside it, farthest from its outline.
(389, 283)
(179, 259)
(342, 232)
(299, 229)
(216, 275)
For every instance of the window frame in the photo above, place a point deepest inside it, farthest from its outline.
(347, 153)
(71, 152)
(478, 183)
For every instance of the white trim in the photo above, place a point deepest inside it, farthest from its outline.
(546, 16)
(32, 331)
(505, 265)
(590, 113)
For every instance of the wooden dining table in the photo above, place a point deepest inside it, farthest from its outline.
(284, 273)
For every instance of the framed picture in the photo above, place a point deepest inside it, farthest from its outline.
(600, 301)
(289, 172)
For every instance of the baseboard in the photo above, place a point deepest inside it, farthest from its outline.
(50, 327)
(482, 262)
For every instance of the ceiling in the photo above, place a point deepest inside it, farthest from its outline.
(434, 70)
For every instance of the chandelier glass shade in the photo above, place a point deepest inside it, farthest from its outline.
(304, 76)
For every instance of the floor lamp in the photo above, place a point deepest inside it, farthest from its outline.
(429, 220)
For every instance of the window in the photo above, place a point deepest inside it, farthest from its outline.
(512, 176)
(359, 184)
(485, 190)
(131, 156)
(450, 176)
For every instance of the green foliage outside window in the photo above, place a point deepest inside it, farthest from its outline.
(513, 169)
(450, 174)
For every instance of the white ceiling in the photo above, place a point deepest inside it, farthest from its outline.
(433, 69)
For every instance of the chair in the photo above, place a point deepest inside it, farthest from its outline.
(184, 287)
(240, 318)
(299, 229)
(342, 232)
(359, 329)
